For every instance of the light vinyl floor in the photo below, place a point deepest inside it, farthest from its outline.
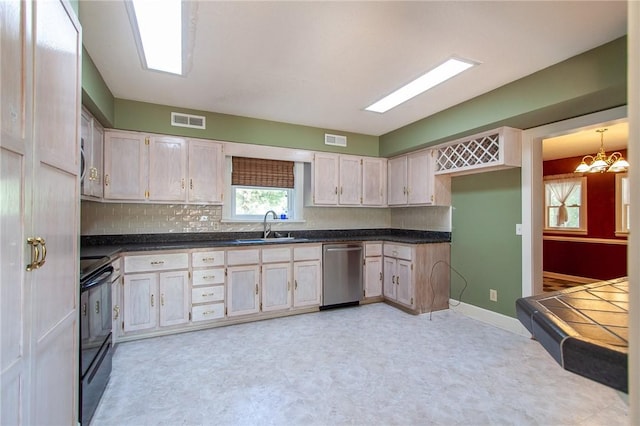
(366, 365)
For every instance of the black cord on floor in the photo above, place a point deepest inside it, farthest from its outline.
(433, 293)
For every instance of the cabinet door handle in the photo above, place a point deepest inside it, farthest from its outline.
(256, 288)
(336, 190)
(380, 276)
(208, 277)
(182, 183)
(116, 312)
(208, 294)
(190, 183)
(158, 262)
(97, 306)
(295, 284)
(107, 180)
(341, 190)
(208, 259)
(84, 309)
(44, 251)
(162, 299)
(288, 285)
(398, 280)
(37, 257)
(152, 304)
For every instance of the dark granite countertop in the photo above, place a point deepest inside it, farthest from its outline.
(111, 245)
(584, 328)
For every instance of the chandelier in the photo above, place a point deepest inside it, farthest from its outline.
(601, 162)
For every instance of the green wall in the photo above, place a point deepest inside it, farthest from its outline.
(485, 248)
(590, 82)
(146, 117)
(96, 96)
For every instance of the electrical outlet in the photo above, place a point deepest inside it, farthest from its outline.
(493, 295)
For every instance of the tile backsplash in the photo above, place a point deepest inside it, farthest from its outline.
(128, 218)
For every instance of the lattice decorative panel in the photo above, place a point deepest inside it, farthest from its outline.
(475, 152)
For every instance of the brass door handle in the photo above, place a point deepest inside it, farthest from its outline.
(152, 304)
(295, 284)
(116, 312)
(107, 180)
(38, 257)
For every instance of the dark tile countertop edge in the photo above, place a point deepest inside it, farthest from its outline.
(596, 360)
(110, 245)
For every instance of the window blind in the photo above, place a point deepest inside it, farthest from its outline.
(259, 172)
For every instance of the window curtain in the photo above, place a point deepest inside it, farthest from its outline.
(562, 189)
(259, 172)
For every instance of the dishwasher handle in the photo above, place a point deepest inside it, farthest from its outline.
(344, 249)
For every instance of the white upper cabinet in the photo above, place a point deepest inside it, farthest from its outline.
(167, 169)
(325, 179)
(374, 181)
(346, 180)
(350, 192)
(91, 142)
(411, 181)
(126, 161)
(205, 172)
(159, 168)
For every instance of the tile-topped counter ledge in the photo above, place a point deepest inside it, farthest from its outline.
(584, 328)
(92, 245)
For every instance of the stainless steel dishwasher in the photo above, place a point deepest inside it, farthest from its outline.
(341, 275)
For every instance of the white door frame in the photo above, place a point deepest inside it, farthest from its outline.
(532, 188)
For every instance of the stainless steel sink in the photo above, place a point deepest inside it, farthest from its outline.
(269, 240)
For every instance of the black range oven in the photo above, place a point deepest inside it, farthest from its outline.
(95, 333)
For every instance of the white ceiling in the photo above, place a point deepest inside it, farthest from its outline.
(321, 63)
(587, 141)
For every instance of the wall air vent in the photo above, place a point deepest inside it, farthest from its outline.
(187, 120)
(335, 140)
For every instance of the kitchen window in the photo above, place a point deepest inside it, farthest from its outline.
(622, 204)
(565, 203)
(259, 185)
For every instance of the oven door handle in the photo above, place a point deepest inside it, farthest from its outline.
(101, 278)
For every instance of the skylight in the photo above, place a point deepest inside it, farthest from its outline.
(439, 74)
(158, 30)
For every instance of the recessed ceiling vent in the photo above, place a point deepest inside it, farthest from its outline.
(335, 140)
(187, 120)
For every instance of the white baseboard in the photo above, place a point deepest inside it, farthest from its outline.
(493, 318)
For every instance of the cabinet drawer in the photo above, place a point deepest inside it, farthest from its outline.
(207, 258)
(243, 257)
(307, 253)
(156, 262)
(280, 254)
(396, 250)
(208, 276)
(373, 249)
(207, 294)
(207, 312)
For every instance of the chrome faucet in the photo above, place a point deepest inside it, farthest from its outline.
(268, 231)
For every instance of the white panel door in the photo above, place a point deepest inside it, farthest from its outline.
(174, 298)
(167, 168)
(350, 192)
(419, 178)
(307, 279)
(404, 282)
(54, 286)
(374, 181)
(276, 286)
(243, 290)
(205, 172)
(325, 179)
(140, 301)
(397, 181)
(126, 166)
(373, 277)
(389, 287)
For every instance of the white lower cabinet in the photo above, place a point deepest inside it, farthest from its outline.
(243, 289)
(307, 276)
(276, 279)
(159, 298)
(207, 291)
(372, 270)
(398, 274)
